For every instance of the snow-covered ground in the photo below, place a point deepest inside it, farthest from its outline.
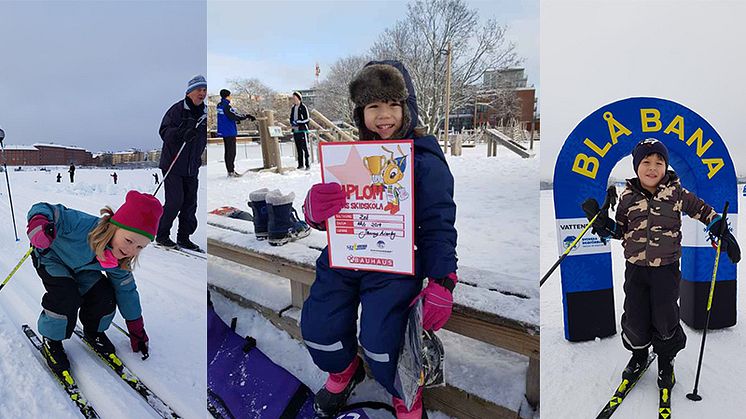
(172, 291)
(497, 247)
(578, 378)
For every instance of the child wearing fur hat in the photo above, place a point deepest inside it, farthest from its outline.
(648, 221)
(85, 263)
(385, 109)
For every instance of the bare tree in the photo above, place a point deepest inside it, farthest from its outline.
(333, 98)
(420, 41)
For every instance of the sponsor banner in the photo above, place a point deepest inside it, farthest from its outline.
(694, 233)
(375, 229)
(568, 229)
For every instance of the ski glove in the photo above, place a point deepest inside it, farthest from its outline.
(729, 243)
(437, 302)
(40, 231)
(603, 226)
(323, 201)
(138, 337)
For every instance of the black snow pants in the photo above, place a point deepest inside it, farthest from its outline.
(301, 146)
(181, 200)
(229, 148)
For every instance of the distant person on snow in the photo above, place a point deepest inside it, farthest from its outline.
(85, 263)
(227, 120)
(155, 175)
(385, 109)
(299, 120)
(59, 177)
(115, 177)
(71, 170)
(179, 127)
(648, 221)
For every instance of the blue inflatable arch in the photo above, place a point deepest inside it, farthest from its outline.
(700, 158)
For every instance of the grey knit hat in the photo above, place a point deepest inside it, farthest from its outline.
(195, 83)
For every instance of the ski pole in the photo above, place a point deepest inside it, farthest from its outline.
(7, 180)
(18, 265)
(610, 201)
(723, 226)
(199, 122)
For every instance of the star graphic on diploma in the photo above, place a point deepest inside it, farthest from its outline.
(351, 171)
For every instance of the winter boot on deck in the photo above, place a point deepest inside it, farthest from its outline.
(258, 207)
(55, 355)
(283, 224)
(636, 363)
(417, 410)
(100, 343)
(338, 388)
(666, 378)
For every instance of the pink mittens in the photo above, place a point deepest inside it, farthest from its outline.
(40, 231)
(437, 303)
(323, 201)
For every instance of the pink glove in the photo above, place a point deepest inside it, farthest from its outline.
(437, 303)
(323, 201)
(108, 260)
(138, 337)
(40, 231)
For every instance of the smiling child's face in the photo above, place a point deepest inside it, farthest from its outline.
(651, 171)
(127, 243)
(383, 118)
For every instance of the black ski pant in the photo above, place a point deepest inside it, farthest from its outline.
(63, 300)
(181, 201)
(72, 177)
(229, 153)
(651, 309)
(301, 146)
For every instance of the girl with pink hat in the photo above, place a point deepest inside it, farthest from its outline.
(85, 263)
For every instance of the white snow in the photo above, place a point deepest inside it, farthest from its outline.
(578, 378)
(172, 292)
(497, 216)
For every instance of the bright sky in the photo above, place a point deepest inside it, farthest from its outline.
(597, 52)
(280, 42)
(98, 75)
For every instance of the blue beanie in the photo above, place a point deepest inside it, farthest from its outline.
(647, 147)
(196, 82)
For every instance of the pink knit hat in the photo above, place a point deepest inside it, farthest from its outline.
(139, 213)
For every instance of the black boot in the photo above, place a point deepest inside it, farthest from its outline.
(55, 355)
(638, 361)
(258, 207)
(283, 223)
(666, 377)
(100, 343)
(165, 242)
(328, 404)
(188, 245)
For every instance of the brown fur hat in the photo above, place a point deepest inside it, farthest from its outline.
(378, 83)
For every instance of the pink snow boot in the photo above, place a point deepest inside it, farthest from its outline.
(338, 388)
(417, 411)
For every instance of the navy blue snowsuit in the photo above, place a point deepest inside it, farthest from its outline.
(328, 321)
(181, 184)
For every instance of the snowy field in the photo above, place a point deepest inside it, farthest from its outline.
(497, 247)
(578, 378)
(172, 292)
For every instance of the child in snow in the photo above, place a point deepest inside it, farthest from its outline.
(85, 263)
(648, 221)
(385, 109)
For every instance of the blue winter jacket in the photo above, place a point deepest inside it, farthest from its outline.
(435, 211)
(190, 160)
(70, 255)
(226, 125)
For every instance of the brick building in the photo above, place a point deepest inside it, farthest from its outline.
(47, 155)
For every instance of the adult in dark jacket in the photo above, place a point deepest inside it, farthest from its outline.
(184, 124)
(227, 120)
(71, 170)
(299, 120)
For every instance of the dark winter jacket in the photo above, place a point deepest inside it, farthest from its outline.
(299, 117)
(227, 118)
(183, 115)
(651, 223)
(435, 211)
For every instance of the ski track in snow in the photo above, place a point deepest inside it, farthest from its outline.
(496, 222)
(589, 371)
(172, 293)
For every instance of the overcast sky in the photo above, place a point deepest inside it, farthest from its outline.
(280, 42)
(96, 74)
(597, 52)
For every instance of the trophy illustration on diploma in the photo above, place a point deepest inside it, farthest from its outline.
(374, 164)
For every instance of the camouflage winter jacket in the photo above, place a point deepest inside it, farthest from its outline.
(651, 223)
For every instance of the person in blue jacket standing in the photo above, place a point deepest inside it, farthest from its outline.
(184, 124)
(227, 120)
(385, 109)
(85, 263)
